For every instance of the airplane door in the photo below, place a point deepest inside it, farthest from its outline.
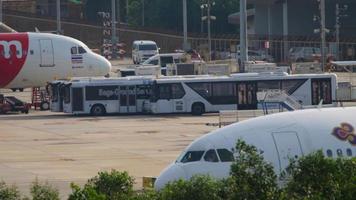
(288, 147)
(47, 58)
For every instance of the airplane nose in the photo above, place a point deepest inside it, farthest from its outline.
(106, 66)
(171, 173)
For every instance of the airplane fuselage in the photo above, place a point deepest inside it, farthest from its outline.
(34, 59)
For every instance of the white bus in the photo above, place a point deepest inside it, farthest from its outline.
(188, 94)
(201, 94)
(98, 96)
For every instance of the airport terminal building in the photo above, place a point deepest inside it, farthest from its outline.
(296, 17)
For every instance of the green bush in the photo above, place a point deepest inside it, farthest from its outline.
(87, 193)
(197, 188)
(9, 192)
(111, 186)
(251, 177)
(317, 177)
(146, 195)
(43, 191)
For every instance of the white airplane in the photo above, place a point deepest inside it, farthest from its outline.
(34, 59)
(278, 136)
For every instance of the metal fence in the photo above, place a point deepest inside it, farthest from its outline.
(222, 48)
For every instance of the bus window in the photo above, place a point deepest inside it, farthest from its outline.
(177, 91)
(164, 91)
(225, 155)
(192, 156)
(268, 85)
(290, 86)
(143, 91)
(203, 89)
(223, 93)
(210, 156)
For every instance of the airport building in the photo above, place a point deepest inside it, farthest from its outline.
(297, 17)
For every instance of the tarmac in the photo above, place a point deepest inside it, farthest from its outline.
(61, 149)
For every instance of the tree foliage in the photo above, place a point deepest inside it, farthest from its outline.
(168, 15)
(252, 177)
(197, 188)
(43, 191)
(317, 177)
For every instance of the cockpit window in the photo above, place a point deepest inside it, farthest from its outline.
(74, 50)
(211, 156)
(81, 50)
(225, 155)
(192, 156)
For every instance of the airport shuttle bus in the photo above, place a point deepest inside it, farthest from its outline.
(187, 94)
(99, 96)
(200, 94)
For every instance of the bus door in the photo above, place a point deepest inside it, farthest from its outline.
(321, 90)
(128, 99)
(246, 96)
(77, 99)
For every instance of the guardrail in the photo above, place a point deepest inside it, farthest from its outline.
(227, 117)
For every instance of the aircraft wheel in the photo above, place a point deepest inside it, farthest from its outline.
(44, 105)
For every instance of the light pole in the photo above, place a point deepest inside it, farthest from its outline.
(0, 10)
(201, 21)
(143, 12)
(209, 17)
(322, 32)
(185, 29)
(243, 35)
(113, 28)
(58, 5)
(338, 15)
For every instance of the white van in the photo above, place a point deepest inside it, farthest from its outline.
(142, 50)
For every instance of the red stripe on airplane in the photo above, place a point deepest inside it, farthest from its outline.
(13, 54)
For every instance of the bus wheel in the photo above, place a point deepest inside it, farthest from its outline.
(97, 110)
(44, 105)
(198, 109)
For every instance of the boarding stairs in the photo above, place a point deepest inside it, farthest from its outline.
(279, 97)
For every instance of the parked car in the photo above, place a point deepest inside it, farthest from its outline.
(142, 50)
(304, 54)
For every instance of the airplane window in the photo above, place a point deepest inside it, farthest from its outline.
(211, 156)
(81, 50)
(192, 156)
(339, 152)
(329, 153)
(31, 52)
(74, 50)
(349, 152)
(225, 155)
